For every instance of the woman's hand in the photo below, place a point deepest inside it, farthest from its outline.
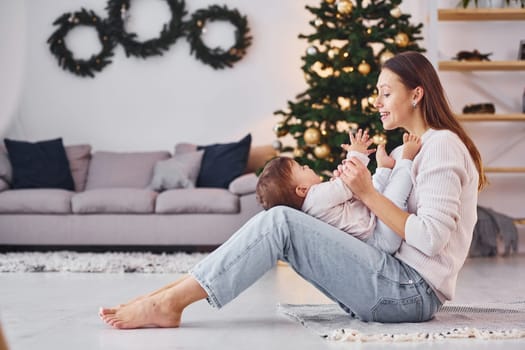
(356, 176)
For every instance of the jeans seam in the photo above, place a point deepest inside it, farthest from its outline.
(212, 299)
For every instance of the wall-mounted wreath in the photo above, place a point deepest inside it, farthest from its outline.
(218, 57)
(65, 57)
(112, 30)
(117, 10)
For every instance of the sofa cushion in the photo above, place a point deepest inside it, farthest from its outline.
(121, 169)
(180, 171)
(78, 157)
(3, 185)
(40, 201)
(244, 184)
(222, 163)
(196, 201)
(42, 164)
(114, 200)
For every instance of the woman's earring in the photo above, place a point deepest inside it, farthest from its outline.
(414, 104)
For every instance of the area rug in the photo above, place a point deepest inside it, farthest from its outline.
(453, 321)
(120, 262)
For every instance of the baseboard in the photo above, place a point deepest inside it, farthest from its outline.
(109, 248)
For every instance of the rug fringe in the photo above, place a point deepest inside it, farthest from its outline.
(352, 335)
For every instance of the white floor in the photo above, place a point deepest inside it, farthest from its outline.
(59, 311)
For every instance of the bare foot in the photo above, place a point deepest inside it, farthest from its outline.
(383, 159)
(158, 311)
(162, 309)
(411, 146)
(115, 308)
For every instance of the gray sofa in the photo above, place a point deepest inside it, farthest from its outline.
(114, 205)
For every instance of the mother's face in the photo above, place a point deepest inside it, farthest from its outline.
(394, 101)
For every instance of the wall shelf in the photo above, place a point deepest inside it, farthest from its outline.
(485, 117)
(463, 66)
(506, 170)
(482, 14)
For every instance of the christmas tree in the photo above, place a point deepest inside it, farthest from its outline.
(341, 66)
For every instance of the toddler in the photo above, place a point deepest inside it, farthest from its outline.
(283, 181)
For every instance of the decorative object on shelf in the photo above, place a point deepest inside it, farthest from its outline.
(521, 51)
(493, 3)
(217, 57)
(472, 56)
(118, 13)
(65, 57)
(479, 108)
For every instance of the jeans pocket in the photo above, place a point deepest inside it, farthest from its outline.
(389, 310)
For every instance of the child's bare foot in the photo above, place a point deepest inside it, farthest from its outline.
(158, 311)
(411, 146)
(383, 159)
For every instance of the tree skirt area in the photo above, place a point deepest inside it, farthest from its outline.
(119, 262)
(452, 321)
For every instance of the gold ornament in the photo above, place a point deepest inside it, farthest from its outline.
(322, 151)
(348, 69)
(298, 152)
(329, 1)
(395, 12)
(401, 39)
(344, 7)
(385, 56)
(364, 68)
(280, 130)
(312, 136)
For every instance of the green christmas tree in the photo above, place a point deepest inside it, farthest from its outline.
(341, 66)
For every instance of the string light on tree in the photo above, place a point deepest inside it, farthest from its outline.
(395, 12)
(379, 139)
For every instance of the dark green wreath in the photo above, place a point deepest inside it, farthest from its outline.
(170, 32)
(217, 57)
(65, 57)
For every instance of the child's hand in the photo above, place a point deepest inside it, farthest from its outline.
(359, 142)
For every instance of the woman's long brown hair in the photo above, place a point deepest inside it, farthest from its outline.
(415, 70)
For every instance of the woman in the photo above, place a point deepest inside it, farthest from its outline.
(407, 287)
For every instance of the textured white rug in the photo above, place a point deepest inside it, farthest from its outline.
(67, 261)
(453, 321)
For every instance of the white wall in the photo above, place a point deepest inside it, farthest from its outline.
(154, 103)
(136, 104)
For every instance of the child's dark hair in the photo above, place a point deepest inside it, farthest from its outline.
(275, 185)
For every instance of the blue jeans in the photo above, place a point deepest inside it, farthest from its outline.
(363, 280)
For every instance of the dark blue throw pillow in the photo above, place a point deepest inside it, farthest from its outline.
(41, 164)
(222, 163)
